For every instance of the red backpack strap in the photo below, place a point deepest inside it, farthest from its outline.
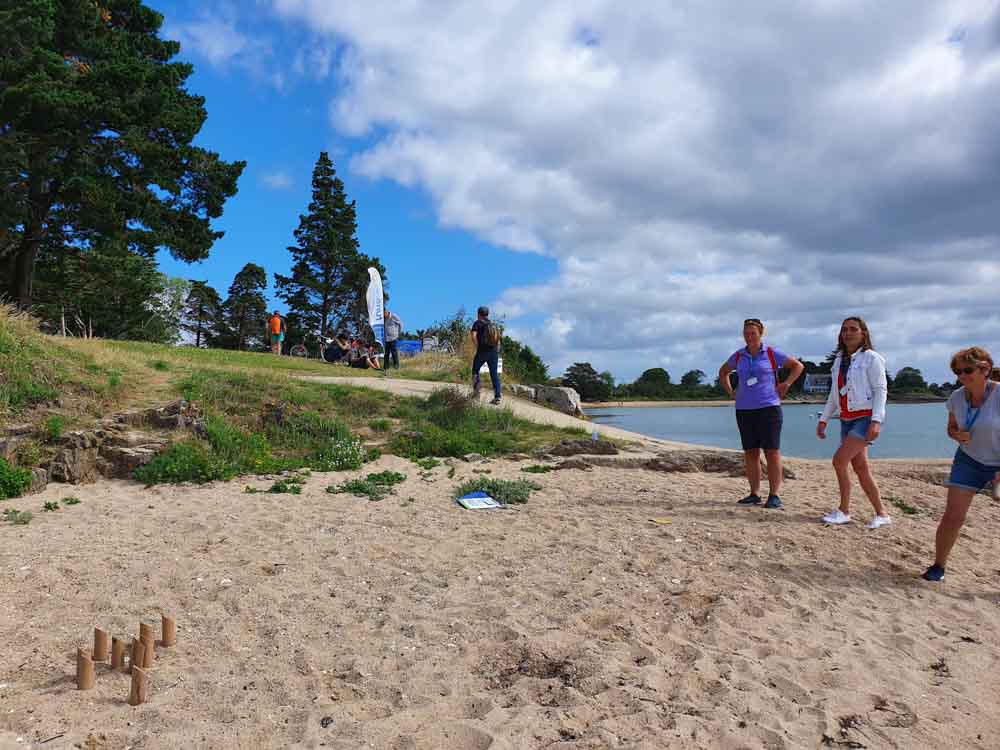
(737, 359)
(774, 365)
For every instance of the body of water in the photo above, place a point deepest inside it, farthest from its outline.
(910, 430)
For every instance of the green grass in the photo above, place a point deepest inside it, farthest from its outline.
(159, 364)
(375, 487)
(14, 480)
(538, 469)
(380, 425)
(71, 501)
(504, 491)
(450, 423)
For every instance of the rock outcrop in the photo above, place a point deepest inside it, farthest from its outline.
(559, 398)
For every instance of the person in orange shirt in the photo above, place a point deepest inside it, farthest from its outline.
(276, 328)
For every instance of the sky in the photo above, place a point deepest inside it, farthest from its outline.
(624, 183)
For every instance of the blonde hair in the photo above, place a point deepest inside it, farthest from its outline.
(974, 356)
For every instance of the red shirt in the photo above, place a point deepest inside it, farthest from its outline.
(845, 415)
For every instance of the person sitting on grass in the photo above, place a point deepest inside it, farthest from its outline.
(360, 356)
(973, 423)
(338, 352)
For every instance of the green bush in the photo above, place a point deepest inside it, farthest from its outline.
(375, 486)
(54, 426)
(504, 491)
(338, 455)
(380, 425)
(190, 461)
(13, 480)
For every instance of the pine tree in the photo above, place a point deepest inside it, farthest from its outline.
(326, 287)
(96, 135)
(202, 310)
(244, 313)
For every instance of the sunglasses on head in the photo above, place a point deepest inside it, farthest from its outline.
(964, 370)
(752, 321)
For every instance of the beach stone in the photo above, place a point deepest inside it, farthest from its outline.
(39, 480)
(74, 465)
(559, 398)
(473, 458)
(8, 447)
(574, 463)
(521, 391)
(713, 462)
(18, 429)
(584, 447)
(120, 462)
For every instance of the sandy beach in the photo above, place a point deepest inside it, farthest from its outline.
(574, 621)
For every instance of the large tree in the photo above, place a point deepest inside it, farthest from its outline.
(202, 310)
(244, 313)
(329, 277)
(96, 134)
(586, 381)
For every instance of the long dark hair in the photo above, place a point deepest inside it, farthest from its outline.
(866, 341)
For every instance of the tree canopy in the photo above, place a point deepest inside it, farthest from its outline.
(96, 139)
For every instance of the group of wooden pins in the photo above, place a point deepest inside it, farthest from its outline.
(141, 657)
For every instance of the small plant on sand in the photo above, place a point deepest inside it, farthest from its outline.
(504, 491)
(13, 480)
(71, 501)
(903, 506)
(285, 486)
(380, 425)
(374, 486)
(17, 517)
(538, 469)
(451, 472)
(51, 505)
(53, 426)
(427, 463)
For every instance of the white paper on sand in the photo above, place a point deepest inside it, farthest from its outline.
(478, 501)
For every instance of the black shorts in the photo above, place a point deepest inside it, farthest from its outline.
(760, 428)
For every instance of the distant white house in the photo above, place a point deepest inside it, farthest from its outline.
(815, 383)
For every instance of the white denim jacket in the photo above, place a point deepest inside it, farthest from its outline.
(866, 386)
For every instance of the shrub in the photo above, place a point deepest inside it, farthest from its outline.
(13, 480)
(504, 491)
(380, 425)
(339, 455)
(374, 486)
(54, 426)
(189, 461)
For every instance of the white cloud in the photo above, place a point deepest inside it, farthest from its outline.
(216, 39)
(690, 164)
(279, 180)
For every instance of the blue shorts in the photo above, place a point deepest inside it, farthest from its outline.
(968, 474)
(857, 428)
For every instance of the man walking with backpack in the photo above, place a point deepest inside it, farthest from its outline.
(486, 338)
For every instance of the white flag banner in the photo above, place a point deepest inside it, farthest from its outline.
(376, 311)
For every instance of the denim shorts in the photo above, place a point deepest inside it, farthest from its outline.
(968, 474)
(855, 428)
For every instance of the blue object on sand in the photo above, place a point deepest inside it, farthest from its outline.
(477, 500)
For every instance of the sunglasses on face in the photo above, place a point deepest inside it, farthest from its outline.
(964, 370)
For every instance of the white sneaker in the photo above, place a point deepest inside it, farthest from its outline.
(878, 521)
(837, 517)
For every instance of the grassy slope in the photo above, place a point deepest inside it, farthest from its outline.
(262, 418)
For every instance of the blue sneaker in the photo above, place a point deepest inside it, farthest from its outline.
(750, 499)
(773, 502)
(934, 573)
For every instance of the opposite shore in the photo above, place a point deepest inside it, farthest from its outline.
(730, 402)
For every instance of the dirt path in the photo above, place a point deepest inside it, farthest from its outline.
(520, 407)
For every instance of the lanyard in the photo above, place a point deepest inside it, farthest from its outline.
(970, 416)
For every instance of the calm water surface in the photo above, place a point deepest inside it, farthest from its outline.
(910, 430)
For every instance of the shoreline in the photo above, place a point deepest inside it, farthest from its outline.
(730, 402)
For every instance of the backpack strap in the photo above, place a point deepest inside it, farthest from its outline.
(774, 365)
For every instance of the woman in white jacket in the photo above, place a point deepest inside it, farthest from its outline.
(858, 397)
